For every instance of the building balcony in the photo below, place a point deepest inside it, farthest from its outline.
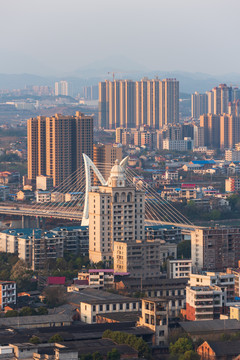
(204, 303)
(203, 311)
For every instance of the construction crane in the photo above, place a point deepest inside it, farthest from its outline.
(113, 73)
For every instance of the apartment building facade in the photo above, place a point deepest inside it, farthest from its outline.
(208, 295)
(35, 247)
(130, 104)
(232, 184)
(142, 258)
(116, 213)
(8, 294)
(104, 157)
(155, 317)
(215, 249)
(179, 268)
(199, 105)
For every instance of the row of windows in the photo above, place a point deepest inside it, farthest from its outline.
(114, 307)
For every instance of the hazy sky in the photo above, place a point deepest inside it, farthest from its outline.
(44, 36)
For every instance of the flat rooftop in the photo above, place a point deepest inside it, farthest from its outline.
(21, 321)
(93, 296)
(206, 326)
(122, 316)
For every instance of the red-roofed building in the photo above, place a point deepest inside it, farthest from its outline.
(188, 186)
(56, 280)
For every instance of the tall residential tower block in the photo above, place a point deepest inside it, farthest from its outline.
(129, 104)
(56, 145)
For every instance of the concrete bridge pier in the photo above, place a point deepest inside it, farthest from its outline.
(40, 222)
(37, 222)
(25, 221)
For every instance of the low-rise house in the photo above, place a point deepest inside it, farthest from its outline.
(57, 197)
(43, 196)
(24, 195)
(219, 350)
(235, 312)
(7, 177)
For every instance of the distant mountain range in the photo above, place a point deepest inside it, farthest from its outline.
(123, 68)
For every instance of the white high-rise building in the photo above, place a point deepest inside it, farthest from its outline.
(61, 88)
(199, 104)
(116, 213)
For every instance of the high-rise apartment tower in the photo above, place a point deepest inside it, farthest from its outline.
(56, 145)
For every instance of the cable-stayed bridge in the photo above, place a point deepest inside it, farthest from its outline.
(69, 200)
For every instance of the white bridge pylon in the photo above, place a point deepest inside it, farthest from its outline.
(88, 164)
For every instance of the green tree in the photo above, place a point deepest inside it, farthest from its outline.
(55, 338)
(86, 357)
(11, 313)
(20, 270)
(97, 356)
(184, 249)
(189, 355)
(4, 274)
(42, 311)
(27, 311)
(55, 296)
(225, 337)
(34, 340)
(61, 264)
(114, 354)
(107, 334)
(123, 338)
(181, 346)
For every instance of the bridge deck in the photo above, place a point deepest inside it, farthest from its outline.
(77, 215)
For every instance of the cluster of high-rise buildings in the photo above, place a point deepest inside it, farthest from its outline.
(218, 101)
(219, 114)
(131, 104)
